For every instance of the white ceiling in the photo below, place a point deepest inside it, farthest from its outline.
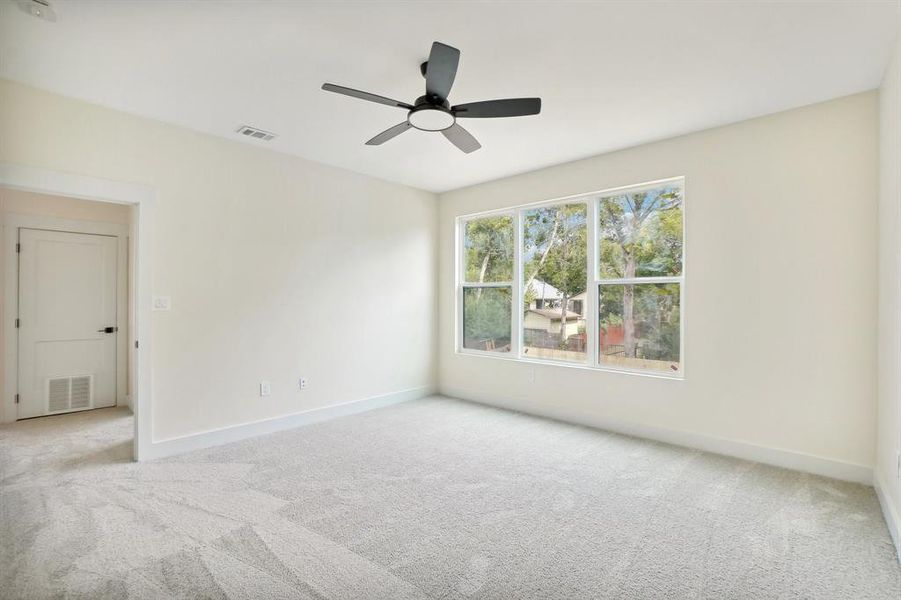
(611, 74)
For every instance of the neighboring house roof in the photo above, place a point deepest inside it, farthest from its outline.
(541, 290)
(554, 314)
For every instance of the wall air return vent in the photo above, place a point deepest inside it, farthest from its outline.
(70, 393)
(253, 132)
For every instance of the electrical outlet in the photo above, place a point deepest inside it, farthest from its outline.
(265, 388)
(303, 383)
(530, 375)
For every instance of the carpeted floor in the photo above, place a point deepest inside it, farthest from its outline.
(429, 499)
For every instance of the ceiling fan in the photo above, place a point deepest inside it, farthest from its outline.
(433, 112)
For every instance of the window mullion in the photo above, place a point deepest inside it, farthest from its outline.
(591, 297)
(516, 333)
(458, 292)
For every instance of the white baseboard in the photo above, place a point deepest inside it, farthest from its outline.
(225, 435)
(892, 518)
(772, 456)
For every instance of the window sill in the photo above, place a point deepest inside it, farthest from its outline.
(677, 376)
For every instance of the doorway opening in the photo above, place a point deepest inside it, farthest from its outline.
(66, 188)
(70, 288)
(75, 250)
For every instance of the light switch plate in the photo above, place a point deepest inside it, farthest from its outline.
(265, 388)
(162, 303)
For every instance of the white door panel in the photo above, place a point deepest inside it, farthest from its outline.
(67, 296)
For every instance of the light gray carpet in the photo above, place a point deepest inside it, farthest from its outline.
(429, 499)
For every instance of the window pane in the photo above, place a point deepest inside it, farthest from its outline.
(486, 318)
(555, 268)
(488, 250)
(641, 233)
(639, 326)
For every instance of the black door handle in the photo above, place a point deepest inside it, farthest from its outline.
(108, 330)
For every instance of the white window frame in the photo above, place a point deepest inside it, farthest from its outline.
(593, 281)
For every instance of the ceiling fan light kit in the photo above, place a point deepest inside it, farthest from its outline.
(432, 112)
(430, 118)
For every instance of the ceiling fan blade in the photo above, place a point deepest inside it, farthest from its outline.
(461, 138)
(340, 89)
(389, 133)
(511, 107)
(441, 70)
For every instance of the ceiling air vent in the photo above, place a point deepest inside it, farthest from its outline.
(38, 8)
(257, 134)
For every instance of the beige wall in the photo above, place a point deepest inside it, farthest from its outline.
(889, 415)
(780, 293)
(277, 267)
(27, 203)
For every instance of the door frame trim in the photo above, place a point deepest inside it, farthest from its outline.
(142, 197)
(12, 223)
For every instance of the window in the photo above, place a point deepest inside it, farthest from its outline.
(555, 268)
(487, 296)
(598, 280)
(640, 279)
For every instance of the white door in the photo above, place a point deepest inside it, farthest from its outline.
(67, 322)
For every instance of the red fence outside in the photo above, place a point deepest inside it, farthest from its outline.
(612, 338)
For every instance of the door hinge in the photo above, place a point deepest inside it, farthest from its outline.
(17, 323)
(17, 398)
(136, 343)
(18, 247)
